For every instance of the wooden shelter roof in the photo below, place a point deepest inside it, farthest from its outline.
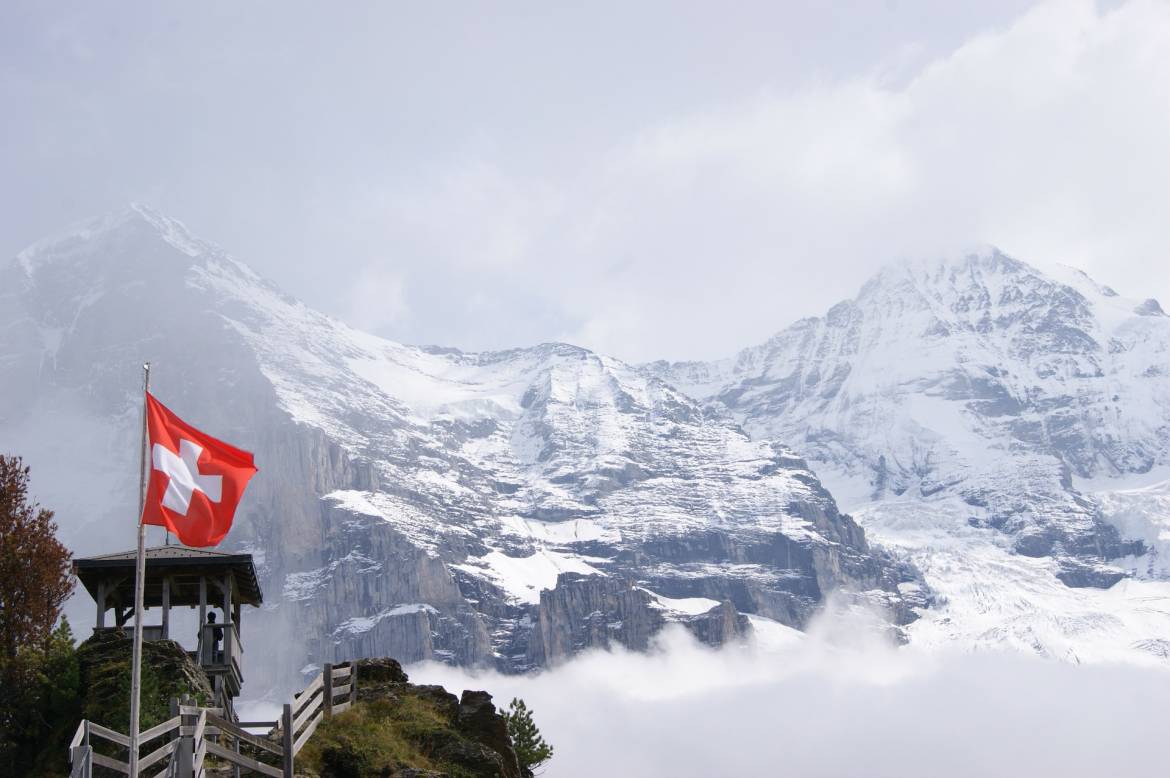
(182, 565)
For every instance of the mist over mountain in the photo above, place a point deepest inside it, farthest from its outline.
(999, 438)
(504, 509)
(1005, 427)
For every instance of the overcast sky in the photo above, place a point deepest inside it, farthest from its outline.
(649, 179)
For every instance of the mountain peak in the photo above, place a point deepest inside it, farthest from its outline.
(977, 266)
(133, 223)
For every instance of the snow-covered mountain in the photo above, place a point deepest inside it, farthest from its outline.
(1008, 429)
(501, 508)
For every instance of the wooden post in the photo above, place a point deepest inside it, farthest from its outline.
(202, 614)
(81, 757)
(173, 710)
(327, 691)
(286, 731)
(184, 756)
(229, 647)
(227, 596)
(139, 586)
(352, 682)
(101, 604)
(166, 608)
(81, 762)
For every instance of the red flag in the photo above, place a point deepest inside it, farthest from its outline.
(196, 481)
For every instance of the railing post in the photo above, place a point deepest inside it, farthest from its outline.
(183, 757)
(327, 690)
(352, 682)
(81, 762)
(286, 730)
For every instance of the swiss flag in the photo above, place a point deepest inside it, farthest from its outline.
(196, 481)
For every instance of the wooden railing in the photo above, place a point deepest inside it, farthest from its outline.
(315, 702)
(226, 654)
(84, 758)
(197, 732)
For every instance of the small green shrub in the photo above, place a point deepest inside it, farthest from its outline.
(531, 748)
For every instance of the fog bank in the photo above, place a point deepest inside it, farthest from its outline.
(815, 707)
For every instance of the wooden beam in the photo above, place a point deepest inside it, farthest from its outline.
(308, 733)
(163, 751)
(255, 740)
(244, 761)
(97, 730)
(111, 764)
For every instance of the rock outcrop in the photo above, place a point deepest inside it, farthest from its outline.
(167, 673)
(404, 730)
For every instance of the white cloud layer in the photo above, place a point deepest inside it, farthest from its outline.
(653, 181)
(820, 708)
(1046, 139)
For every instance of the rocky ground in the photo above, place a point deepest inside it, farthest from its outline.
(404, 730)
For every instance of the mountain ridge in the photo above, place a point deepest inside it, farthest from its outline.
(953, 399)
(505, 508)
(993, 429)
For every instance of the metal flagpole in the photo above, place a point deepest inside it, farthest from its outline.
(139, 586)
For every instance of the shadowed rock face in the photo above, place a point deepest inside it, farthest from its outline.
(980, 378)
(585, 612)
(414, 502)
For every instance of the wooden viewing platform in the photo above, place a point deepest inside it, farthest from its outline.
(178, 576)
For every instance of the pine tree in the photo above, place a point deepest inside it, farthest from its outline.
(531, 749)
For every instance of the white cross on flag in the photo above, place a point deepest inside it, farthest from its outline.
(196, 481)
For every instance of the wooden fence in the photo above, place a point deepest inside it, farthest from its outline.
(193, 733)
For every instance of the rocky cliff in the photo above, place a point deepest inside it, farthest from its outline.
(501, 508)
(976, 412)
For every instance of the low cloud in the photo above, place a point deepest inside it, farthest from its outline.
(819, 706)
(652, 182)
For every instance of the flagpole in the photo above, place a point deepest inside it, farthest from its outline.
(139, 586)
